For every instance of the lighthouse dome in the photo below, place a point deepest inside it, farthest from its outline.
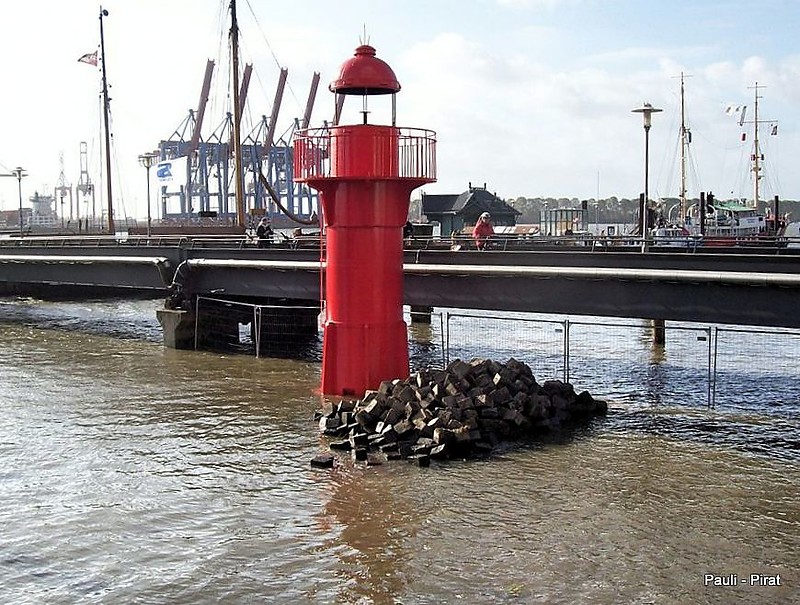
(365, 74)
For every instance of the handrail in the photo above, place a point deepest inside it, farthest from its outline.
(776, 245)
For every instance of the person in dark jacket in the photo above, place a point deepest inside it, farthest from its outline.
(264, 233)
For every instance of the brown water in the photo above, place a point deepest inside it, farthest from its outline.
(131, 473)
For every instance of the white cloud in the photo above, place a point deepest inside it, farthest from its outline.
(531, 102)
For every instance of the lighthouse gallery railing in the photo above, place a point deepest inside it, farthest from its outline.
(412, 157)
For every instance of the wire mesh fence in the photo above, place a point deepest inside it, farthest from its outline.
(621, 360)
(273, 330)
(697, 364)
(753, 366)
(540, 343)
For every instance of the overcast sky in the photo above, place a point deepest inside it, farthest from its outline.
(531, 97)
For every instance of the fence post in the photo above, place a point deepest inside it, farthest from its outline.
(196, 319)
(257, 328)
(712, 387)
(567, 327)
(446, 337)
(445, 345)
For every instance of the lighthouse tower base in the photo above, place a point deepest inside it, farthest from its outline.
(358, 358)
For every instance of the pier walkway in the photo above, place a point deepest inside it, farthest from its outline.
(750, 287)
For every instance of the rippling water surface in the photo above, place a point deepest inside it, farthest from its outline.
(131, 473)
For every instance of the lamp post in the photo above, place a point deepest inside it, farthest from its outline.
(147, 160)
(18, 173)
(647, 111)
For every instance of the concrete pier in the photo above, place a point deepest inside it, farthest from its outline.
(659, 331)
(274, 328)
(421, 314)
(178, 327)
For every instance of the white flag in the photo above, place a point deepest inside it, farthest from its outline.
(171, 171)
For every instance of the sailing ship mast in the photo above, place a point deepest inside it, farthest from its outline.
(237, 118)
(685, 140)
(756, 150)
(104, 13)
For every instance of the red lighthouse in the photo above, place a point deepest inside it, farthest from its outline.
(365, 175)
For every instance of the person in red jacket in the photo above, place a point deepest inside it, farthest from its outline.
(482, 230)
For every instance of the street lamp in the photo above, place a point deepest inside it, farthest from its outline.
(18, 173)
(147, 160)
(647, 111)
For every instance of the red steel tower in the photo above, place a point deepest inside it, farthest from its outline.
(365, 175)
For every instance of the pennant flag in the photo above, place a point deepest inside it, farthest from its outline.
(744, 111)
(774, 129)
(90, 58)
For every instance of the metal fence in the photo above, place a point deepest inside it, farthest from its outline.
(698, 364)
(617, 359)
(260, 330)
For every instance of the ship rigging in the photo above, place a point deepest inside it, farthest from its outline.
(233, 175)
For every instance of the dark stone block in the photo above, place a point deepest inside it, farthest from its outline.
(439, 452)
(358, 440)
(421, 378)
(394, 415)
(459, 368)
(346, 405)
(422, 393)
(499, 396)
(404, 393)
(421, 460)
(327, 422)
(365, 419)
(452, 388)
(411, 408)
(322, 461)
(403, 429)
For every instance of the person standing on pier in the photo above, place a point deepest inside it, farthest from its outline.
(482, 230)
(264, 233)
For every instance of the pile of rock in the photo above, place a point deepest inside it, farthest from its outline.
(461, 411)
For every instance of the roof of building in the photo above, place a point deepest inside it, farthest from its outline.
(473, 201)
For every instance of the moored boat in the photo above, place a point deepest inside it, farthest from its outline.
(717, 223)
